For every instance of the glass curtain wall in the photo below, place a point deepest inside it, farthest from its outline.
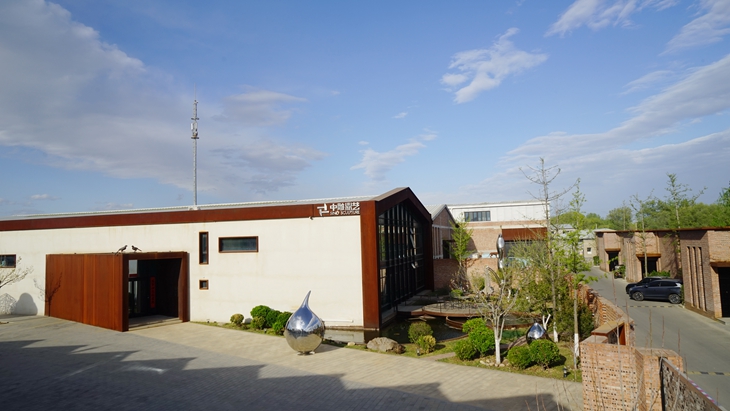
(401, 260)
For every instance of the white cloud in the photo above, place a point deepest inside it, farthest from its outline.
(599, 14)
(401, 115)
(43, 197)
(487, 68)
(648, 80)
(708, 28)
(87, 105)
(111, 206)
(377, 165)
(257, 108)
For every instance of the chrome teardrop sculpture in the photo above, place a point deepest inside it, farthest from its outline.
(535, 332)
(304, 330)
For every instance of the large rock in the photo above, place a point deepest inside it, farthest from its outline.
(384, 344)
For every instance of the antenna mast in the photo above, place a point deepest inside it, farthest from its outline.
(194, 128)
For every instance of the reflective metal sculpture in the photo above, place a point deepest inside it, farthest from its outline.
(304, 330)
(535, 332)
(500, 252)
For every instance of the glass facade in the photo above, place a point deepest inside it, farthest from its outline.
(400, 256)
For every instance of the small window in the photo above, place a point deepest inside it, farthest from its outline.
(203, 247)
(589, 250)
(238, 244)
(203, 284)
(7, 260)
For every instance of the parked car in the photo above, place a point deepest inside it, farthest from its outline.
(664, 289)
(647, 280)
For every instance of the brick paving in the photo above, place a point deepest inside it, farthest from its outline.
(54, 364)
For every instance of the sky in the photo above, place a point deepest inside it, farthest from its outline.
(459, 101)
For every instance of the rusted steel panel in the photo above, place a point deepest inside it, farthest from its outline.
(369, 255)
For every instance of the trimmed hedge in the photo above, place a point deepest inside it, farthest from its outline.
(417, 330)
(544, 352)
(483, 340)
(465, 350)
(473, 324)
(426, 343)
(520, 357)
(237, 319)
(258, 323)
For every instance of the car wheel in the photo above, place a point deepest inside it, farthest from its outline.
(638, 296)
(675, 298)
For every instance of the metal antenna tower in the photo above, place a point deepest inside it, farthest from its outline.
(194, 128)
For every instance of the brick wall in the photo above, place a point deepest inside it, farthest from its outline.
(680, 394)
(720, 250)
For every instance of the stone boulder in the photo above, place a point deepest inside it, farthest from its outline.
(384, 344)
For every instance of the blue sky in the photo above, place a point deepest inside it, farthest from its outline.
(320, 99)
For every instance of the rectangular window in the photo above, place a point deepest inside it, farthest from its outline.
(477, 216)
(238, 244)
(203, 284)
(203, 248)
(7, 260)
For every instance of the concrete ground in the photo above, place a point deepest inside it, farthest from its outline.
(49, 363)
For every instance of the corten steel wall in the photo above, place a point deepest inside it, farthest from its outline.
(704, 251)
(91, 289)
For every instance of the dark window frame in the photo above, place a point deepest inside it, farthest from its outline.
(222, 239)
(4, 259)
(477, 216)
(203, 284)
(203, 247)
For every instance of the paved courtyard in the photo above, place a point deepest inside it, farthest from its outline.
(54, 364)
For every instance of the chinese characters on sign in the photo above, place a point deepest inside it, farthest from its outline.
(331, 209)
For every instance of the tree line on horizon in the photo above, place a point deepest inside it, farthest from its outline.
(677, 209)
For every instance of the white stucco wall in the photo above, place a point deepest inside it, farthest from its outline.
(513, 211)
(295, 255)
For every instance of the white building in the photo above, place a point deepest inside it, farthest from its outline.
(359, 256)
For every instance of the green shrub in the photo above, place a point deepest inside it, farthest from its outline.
(258, 323)
(260, 311)
(483, 340)
(520, 357)
(278, 326)
(544, 352)
(418, 329)
(665, 274)
(596, 260)
(477, 283)
(237, 319)
(473, 324)
(465, 350)
(426, 343)
(271, 318)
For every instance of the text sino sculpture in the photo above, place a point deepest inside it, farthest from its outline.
(304, 331)
(535, 332)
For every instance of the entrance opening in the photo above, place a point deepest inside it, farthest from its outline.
(723, 274)
(651, 264)
(612, 260)
(153, 290)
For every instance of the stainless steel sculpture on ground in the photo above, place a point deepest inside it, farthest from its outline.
(304, 330)
(535, 332)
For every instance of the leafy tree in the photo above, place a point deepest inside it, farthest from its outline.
(724, 199)
(620, 218)
(640, 208)
(494, 307)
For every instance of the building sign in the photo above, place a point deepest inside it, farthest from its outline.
(332, 209)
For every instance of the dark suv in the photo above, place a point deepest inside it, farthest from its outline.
(645, 280)
(664, 289)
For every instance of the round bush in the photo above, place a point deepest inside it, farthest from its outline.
(418, 329)
(258, 323)
(271, 318)
(473, 324)
(426, 343)
(483, 340)
(544, 352)
(278, 326)
(237, 319)
(260, 311)
(465, 350)
(520, 357)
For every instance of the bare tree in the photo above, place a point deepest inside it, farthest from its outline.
(543, 177)
(639, 207)
(495, 306)
(11, 275)
(461, 251)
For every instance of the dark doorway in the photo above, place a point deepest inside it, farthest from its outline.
(651, 264)
(153, 287)
(723, 274)
(612, 260)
